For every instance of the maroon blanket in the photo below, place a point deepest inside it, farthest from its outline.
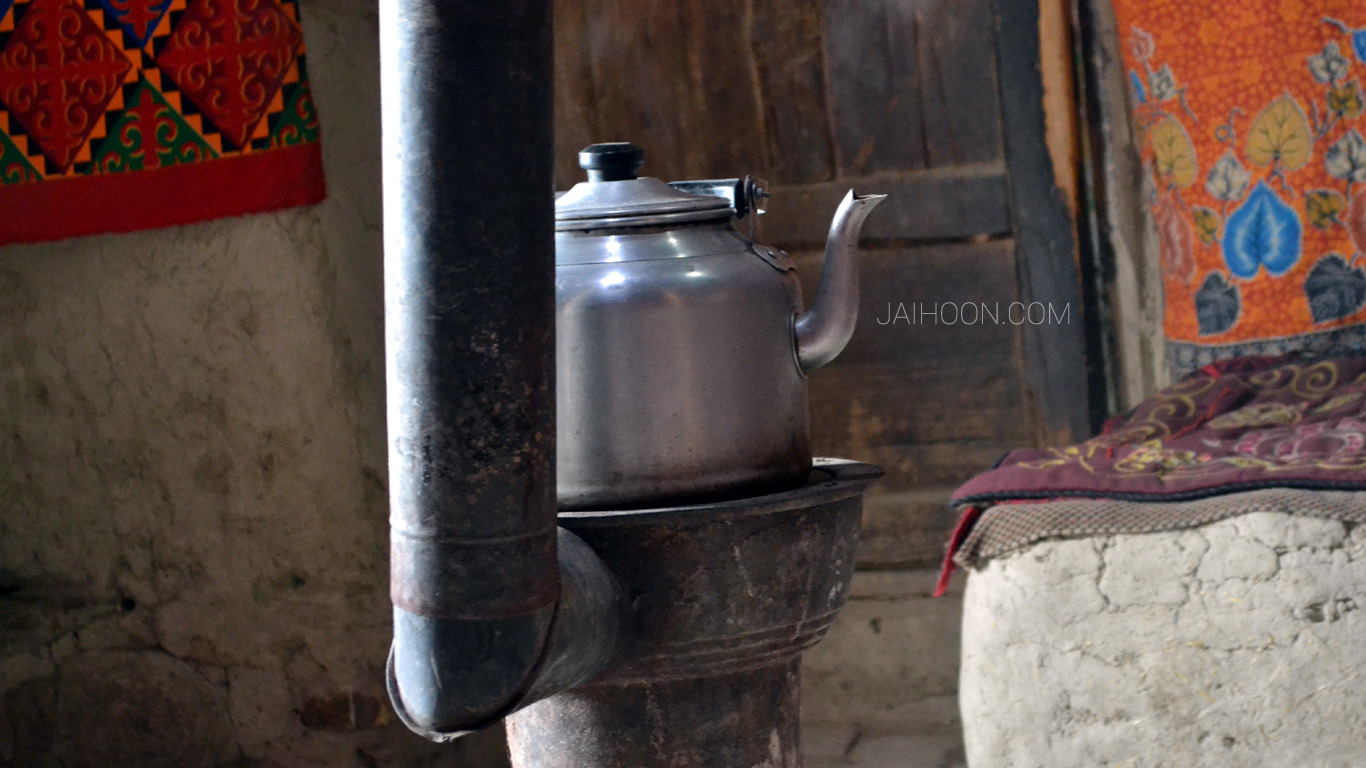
(1233, 426)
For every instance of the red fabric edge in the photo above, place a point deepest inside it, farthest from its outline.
(180, 194)
(960, 534)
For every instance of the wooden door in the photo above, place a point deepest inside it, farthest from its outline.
(937, 103)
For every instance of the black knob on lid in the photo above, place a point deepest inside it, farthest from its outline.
(613, 161)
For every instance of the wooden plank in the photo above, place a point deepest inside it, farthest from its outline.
(962, 124)
(900, 403)
(639, 64)
(943, 204)
(711, 88)
(1055, 354)
(1127, 353)
(932, 403)
(574, 99)
(912, 83)
(917, 466)
(676, 78)
(928, 306)
(870, 51)
(1061, 105)
(902, 530)
(790, 66)
(730, 138)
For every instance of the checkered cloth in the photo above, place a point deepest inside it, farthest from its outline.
(1008, 528)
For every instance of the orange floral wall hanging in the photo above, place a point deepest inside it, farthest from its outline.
(1251, 118)
(118, 115)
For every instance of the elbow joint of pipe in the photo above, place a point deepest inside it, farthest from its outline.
(449, 676)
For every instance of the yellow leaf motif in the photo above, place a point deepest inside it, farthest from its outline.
(1173, 152)
(1280, 133)
(1206, 225)
(1322, 206)
(1345, 99)
(1338, 402)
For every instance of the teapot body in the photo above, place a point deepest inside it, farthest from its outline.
(677, 373)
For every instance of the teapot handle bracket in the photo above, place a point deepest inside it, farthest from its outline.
(746, 196)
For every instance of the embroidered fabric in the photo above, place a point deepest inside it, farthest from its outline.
(1186, 456)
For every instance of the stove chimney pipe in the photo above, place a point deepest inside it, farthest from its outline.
(490, 612)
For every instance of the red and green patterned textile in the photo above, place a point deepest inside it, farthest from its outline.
(117, 115)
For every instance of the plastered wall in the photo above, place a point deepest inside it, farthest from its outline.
(193, 527)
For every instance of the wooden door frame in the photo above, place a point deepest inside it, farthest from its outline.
(1056, 369)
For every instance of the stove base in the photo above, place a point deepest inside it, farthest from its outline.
(722, 599)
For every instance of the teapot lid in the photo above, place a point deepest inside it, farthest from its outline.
(613, 196)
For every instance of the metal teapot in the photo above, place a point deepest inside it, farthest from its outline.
(681, 346)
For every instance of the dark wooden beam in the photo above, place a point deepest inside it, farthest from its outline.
(1056, 371)
(953, 203)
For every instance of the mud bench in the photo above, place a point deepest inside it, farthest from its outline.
(1217, 623)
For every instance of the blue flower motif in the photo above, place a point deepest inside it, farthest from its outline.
(1335, 289)
(1138, 87)
(1217, 305)
(1263, 231)
(1359, 44)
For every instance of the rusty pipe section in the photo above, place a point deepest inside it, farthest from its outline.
(492, 606)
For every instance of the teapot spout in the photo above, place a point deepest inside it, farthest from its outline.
(824, 329)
